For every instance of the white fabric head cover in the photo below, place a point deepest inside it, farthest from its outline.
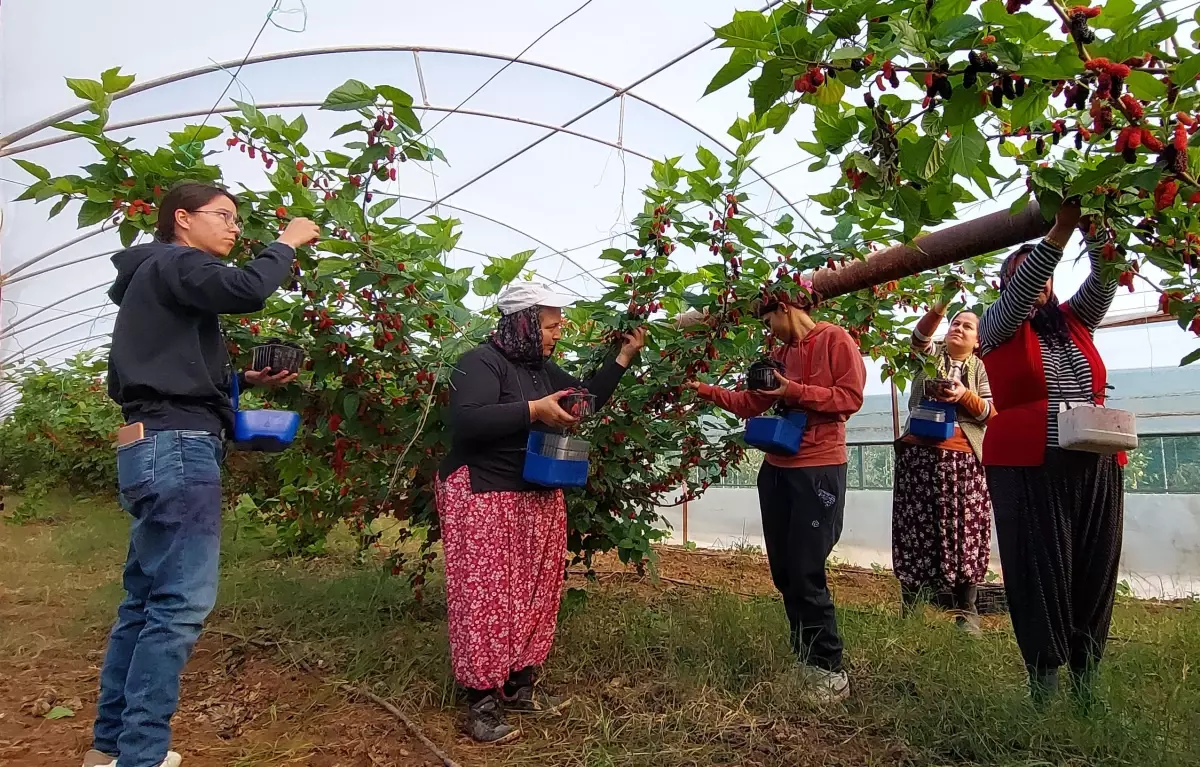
(522, 295)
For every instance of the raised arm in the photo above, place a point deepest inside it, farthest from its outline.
(1095, 296)
(1016, 301)
(922, 335)
(200, 281)
(604, 381)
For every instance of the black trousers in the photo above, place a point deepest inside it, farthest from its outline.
(802, 512)
(1059, 528)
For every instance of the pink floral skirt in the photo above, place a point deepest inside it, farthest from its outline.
(505, 554)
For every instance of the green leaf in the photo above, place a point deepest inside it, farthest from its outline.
(1029, 106)
(740, 62)
(916, 156)
(749, 29)
(1115, 15)
(350, 96)
(35, 170)
(1145, 86)
(332, 265)
(1190, 358)
(834, 129)
(849, 52)
(964, 149)
(952, 30)
(1063, 65)
(770, 86)
(58, 206)
(350, 405)
(194, 134)
(964, 107)
(395, 96)
(830, 92)
(709, 162)
(114, 82)
(908, 206)
(88, 90)
(381, 207)
(1186, 70)
(1089, 179)
(408, 118)
(60, 712)
(92, 213)
(129, 232)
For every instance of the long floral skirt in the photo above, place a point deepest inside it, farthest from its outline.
(505, 554)
(941, 518)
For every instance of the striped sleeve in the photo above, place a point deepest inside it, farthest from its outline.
(1002, 318)
(1095, 296)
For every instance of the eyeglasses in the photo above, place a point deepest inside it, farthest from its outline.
(231, 219)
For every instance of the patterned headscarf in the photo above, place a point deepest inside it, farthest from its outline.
(1046, 320)
(519, 336)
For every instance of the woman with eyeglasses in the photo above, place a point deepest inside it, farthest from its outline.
(941, 511)
(169, 370)
(1059, 512)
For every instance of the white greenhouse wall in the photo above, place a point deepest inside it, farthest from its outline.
(1161, 555)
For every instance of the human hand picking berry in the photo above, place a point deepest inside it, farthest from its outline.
(635, 341)
(300, 231)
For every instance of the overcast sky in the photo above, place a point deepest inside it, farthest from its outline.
(568, 192)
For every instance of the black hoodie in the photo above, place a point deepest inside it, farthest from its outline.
(168, 367)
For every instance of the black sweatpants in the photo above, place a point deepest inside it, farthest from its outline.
(1060, 527)
(802, 512)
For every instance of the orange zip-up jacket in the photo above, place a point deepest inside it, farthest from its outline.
(828, 377)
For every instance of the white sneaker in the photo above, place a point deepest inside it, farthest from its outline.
(823, 687)
(96, 758)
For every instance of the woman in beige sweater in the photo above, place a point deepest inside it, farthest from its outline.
(941, 510)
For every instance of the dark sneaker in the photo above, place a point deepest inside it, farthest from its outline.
(485, 723)
(531, 700)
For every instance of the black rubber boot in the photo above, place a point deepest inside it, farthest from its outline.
(1043, 686)
(1083, 690)
(912, 600)
(485, 721)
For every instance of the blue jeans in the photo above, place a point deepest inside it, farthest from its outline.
(170, 483)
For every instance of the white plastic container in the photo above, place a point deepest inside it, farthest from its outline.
(1093, 429)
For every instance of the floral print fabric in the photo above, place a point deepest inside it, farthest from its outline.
(519, 336)
(505, 555)
(941, 518)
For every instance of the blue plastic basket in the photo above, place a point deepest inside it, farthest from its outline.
(549, 471)
(930, 428)
(777, 435)
(264, 431)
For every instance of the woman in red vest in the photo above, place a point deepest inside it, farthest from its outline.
(1058, 512)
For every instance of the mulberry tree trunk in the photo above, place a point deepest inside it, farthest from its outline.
(950, 245)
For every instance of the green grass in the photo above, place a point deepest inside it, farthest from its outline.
(694, 678)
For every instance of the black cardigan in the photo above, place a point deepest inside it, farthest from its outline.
(489, 413)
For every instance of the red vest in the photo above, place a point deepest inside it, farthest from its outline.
(1016, 434)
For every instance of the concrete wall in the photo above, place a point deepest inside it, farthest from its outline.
(1161, 556)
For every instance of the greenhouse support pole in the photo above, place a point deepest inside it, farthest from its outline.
(895, 412)
(685, 510)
